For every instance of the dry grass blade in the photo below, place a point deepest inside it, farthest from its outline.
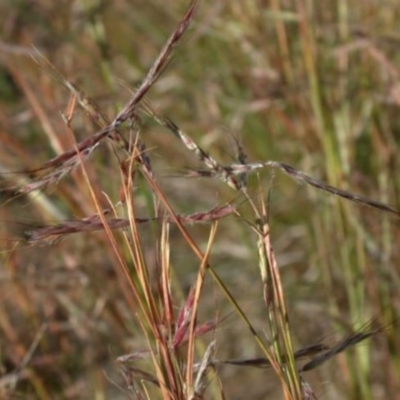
(227, 173)
(129, 110)
(63, 164)
(94, 223)
(281, 353)
(61, 170)
(339, 347)
(262, 362)
(215, 169)
(197, 291)
(301, 177)
(67, 161)
(325, 352)
(304, 178)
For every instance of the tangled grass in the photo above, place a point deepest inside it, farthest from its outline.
(135, 277)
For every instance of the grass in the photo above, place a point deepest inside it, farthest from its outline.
(152, 246)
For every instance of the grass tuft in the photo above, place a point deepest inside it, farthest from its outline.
(118, 281)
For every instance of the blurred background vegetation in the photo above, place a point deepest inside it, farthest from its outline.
(314, 84)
